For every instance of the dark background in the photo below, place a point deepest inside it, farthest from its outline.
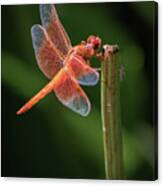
(52, 141)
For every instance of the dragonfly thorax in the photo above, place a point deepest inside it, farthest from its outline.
(88, 49)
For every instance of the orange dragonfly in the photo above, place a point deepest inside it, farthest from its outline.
(66, 66)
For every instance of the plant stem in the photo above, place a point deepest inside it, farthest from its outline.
(110, 111)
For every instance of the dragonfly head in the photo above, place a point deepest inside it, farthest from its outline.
(94, 41)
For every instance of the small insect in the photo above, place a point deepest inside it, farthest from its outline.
(122, 73)
(66, 66)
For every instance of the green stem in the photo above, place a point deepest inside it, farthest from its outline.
(110, 111)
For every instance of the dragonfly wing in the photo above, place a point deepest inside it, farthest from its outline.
(85, 74)
(56, 32)
(70, 93)
(47, 55)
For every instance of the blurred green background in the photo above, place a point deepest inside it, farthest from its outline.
(51, 140)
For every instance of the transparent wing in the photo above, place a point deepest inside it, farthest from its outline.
(70, 93)
(55, 30)
(85, 74)
(48, 56)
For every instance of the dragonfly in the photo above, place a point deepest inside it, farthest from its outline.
(65, 65)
